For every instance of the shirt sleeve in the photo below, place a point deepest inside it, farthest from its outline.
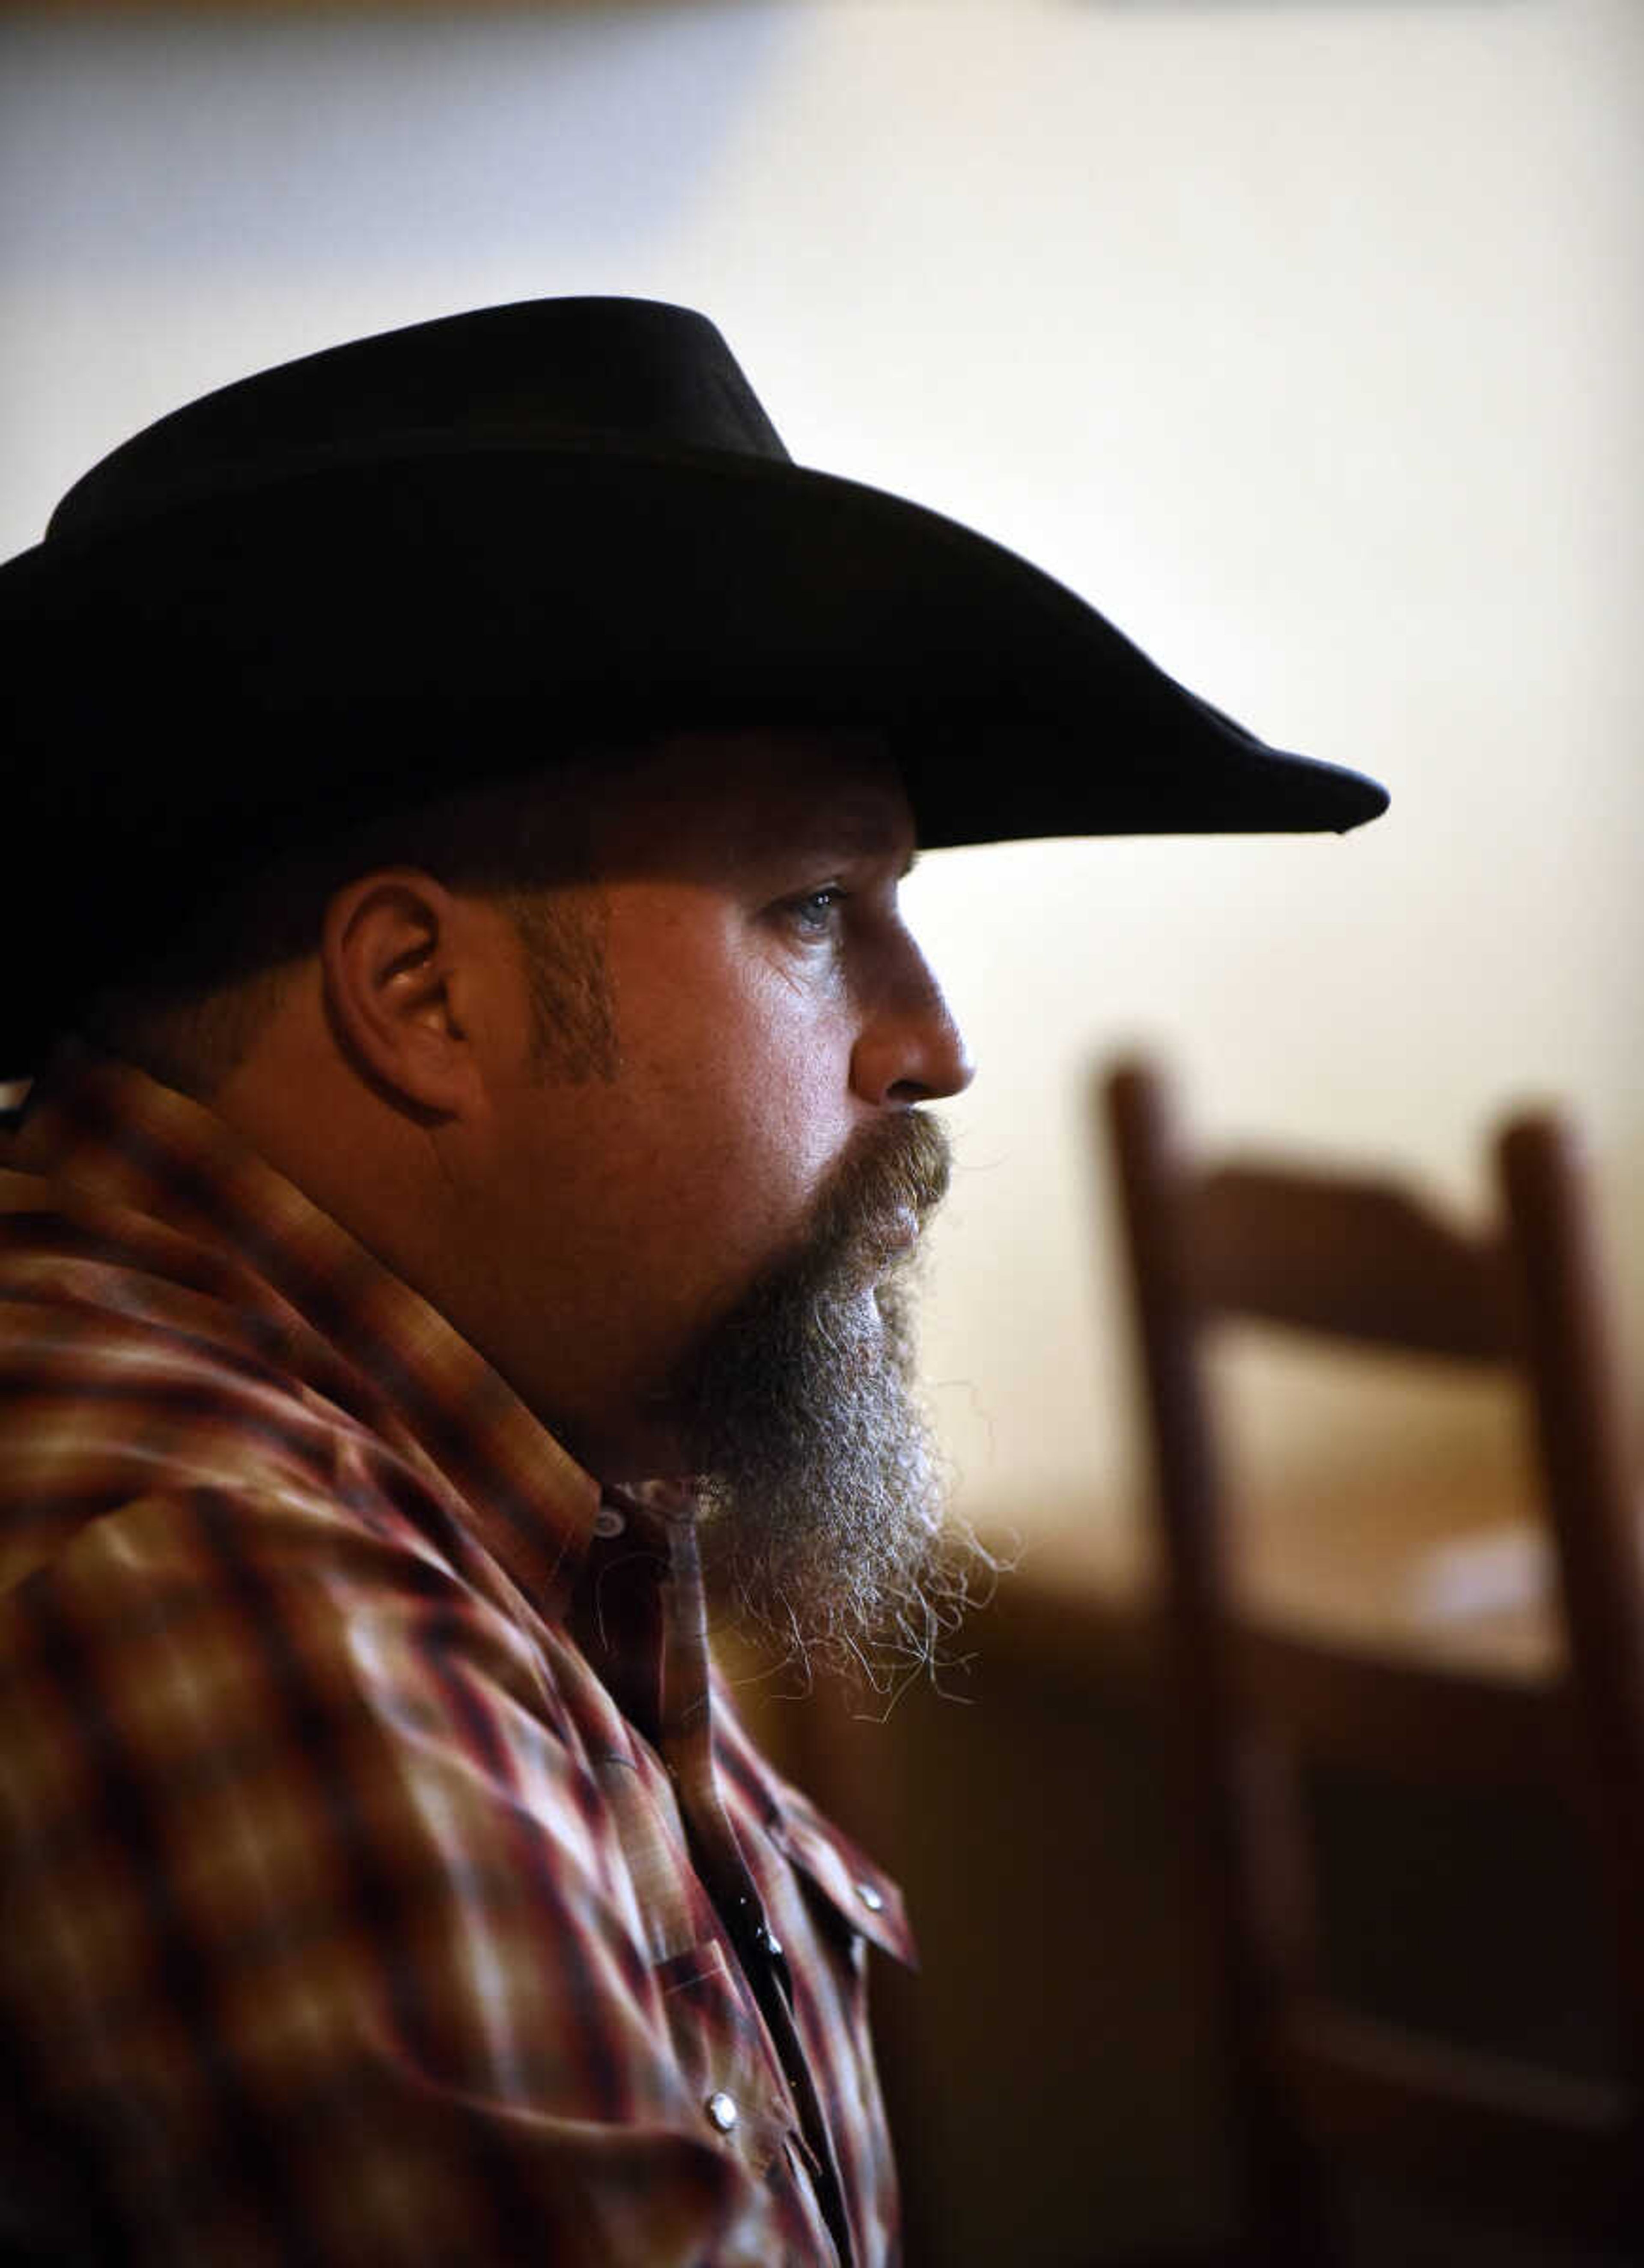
(317, 1944)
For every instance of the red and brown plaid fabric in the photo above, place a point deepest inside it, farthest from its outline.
(383, 1877)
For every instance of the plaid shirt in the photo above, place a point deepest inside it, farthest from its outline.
(384, 1877)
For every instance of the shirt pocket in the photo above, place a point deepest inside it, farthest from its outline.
(724, 2076)
(722, 2054)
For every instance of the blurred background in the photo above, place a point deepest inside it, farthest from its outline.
(1306, 337)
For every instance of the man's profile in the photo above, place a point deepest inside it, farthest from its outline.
(458, 1226)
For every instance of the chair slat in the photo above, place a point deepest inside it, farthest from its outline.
(1355, 1260)
(1413, 1721)
(1550, 2144)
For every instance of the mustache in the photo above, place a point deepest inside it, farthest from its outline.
(857, 1233)
(901, 1168)
(772, 1367)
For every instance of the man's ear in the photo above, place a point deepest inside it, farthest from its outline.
(402, 966)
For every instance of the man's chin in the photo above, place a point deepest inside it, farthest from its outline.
(822, 1498)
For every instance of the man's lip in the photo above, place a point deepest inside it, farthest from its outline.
(896, 1234)
(902, 1230)
(892, 1235)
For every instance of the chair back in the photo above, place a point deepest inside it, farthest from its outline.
(1317, 2086)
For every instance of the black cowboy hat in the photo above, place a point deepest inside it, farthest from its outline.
(451, 550)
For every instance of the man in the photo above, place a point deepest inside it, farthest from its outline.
(455, 1225)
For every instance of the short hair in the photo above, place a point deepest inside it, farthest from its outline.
(190, 1013)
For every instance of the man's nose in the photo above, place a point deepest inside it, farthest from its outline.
(909, 1049)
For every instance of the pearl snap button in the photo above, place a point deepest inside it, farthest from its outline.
(609, 1522)
(870, 1897)
(723, 2112)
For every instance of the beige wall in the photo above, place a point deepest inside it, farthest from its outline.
(1306, 338)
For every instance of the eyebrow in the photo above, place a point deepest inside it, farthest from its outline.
(864, 829)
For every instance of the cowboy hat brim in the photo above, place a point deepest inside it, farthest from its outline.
(343, 627)
(594, 586)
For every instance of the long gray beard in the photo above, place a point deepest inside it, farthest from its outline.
(822, 1492)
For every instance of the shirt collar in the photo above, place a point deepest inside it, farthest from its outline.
(108, 1132)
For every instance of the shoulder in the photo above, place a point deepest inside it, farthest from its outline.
(151, 1380)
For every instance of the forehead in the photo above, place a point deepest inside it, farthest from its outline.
(729, 799)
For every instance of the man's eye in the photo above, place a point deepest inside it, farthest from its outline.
(813, 914)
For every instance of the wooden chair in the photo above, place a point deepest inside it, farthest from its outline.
(1317, 2087)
